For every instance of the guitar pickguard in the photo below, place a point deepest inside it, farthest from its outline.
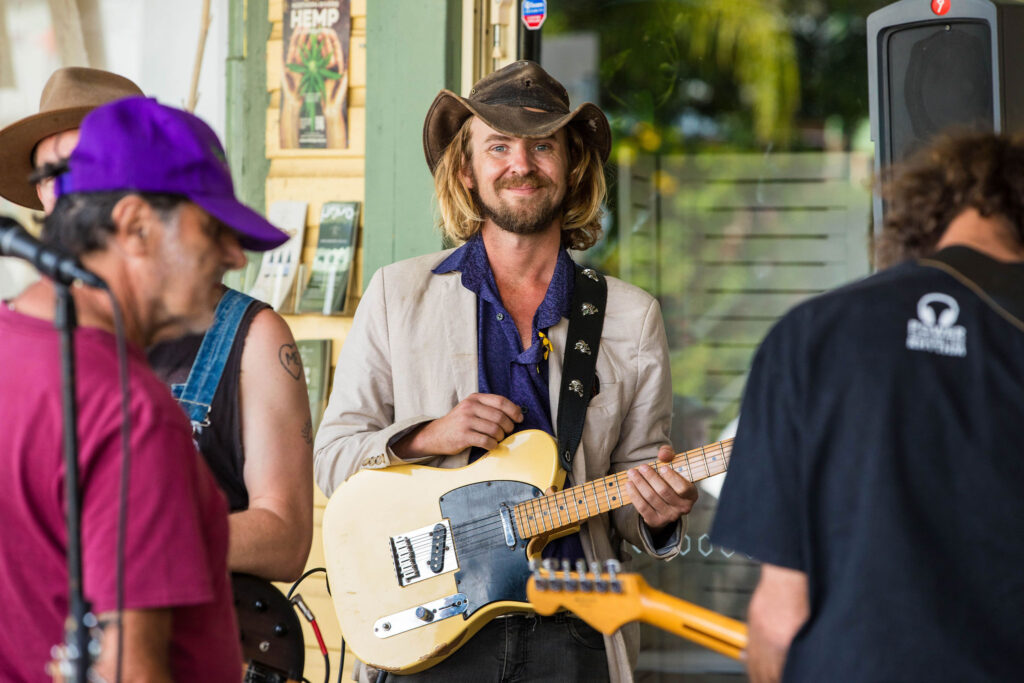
(491, 568)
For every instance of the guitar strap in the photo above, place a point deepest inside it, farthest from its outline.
(1000, 285)
(196, 395)
(579, 363)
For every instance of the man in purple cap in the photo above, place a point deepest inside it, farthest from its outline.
(146, 202)
(450, 353)
(259, 448)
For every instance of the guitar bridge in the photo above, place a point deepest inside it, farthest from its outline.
(423, 553)
(405, 559)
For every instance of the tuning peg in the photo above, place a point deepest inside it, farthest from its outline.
(586, 585)
(600, 585)
(571, 584)
(613, 567)
(551, 567)
(539, 579)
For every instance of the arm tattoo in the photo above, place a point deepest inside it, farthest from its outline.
(290, 360)
(307, 432)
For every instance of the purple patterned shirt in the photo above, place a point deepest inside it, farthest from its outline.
(504, 367)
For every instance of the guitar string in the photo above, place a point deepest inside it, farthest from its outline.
(472, 530)
(541, 512)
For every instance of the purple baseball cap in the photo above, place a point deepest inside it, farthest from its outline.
(140, 145)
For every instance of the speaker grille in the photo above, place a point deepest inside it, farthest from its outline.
(940, 76)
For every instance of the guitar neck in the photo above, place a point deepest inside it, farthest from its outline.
(703, 626)
(576, 504)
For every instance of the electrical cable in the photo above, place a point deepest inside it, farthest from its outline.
(302, 578)
(300, 605)
(122, 513)
(341, 660)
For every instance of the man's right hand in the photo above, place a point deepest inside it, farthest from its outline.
(479, 420)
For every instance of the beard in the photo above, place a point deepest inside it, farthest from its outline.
(528, 218)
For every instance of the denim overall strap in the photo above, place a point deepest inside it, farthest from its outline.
(196, 395)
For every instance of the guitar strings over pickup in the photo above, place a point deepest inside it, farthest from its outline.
(423, 553)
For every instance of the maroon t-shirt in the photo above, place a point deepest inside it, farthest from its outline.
(176, 547)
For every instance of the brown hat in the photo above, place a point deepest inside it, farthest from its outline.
(69, 94)
(506, 101)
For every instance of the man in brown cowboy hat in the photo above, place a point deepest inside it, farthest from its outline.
(51, 134)
(449, 353)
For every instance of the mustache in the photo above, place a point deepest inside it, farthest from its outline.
(532, 180)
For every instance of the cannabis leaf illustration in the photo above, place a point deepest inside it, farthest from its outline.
(314, 73)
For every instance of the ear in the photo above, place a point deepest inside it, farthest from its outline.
(133, 217)
(465, 174)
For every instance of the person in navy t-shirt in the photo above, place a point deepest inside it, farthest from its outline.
(876, 470)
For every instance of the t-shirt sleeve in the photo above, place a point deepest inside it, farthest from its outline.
(759, 512)
(166, 562)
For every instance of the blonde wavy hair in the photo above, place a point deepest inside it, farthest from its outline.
(581, 209)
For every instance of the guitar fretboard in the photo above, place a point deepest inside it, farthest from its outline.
(578, 503)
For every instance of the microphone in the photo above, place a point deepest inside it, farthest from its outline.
(50, 261)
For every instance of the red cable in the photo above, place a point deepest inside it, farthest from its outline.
(319, 638)
(308, 613)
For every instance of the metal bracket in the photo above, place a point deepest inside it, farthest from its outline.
(421, 615)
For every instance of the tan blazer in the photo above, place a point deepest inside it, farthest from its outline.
(411, 356)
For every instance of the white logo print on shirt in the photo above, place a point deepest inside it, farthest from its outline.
(935, 330)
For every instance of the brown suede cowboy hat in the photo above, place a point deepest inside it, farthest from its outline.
(521, 100)
(69, 94)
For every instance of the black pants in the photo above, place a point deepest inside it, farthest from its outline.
(523, 647)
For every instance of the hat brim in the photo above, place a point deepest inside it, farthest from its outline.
(449, 111)
(255, 232)
(17, 142)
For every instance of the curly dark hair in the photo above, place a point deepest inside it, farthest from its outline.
(956, 172)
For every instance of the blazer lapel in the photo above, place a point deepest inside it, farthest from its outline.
(459, 313)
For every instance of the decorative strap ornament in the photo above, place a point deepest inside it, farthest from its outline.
(579, 376)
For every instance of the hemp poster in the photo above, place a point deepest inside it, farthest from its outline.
(314, 78)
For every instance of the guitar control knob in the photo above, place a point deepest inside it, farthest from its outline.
(424, 614)
(280, 630)
(259, 605)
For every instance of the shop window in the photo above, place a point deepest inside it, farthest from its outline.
(738, 187)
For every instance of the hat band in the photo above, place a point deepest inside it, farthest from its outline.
(518, 102)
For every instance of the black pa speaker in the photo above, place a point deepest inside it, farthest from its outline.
(939, 64)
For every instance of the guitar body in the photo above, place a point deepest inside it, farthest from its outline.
(420, 558)
(272, 646)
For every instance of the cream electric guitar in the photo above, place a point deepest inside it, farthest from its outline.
(609, 600)
(420, 558)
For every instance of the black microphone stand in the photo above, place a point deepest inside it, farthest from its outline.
(80, 647)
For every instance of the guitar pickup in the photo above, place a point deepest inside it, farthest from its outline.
(423, 553)
(440, 538)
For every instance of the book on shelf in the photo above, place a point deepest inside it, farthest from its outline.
(276, 276)
(316, 363)
(329, 278)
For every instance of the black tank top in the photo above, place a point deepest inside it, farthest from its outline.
(221, 442)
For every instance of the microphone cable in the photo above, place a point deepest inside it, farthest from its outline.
(122, 506)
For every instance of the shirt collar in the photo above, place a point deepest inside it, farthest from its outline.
(471, 260)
